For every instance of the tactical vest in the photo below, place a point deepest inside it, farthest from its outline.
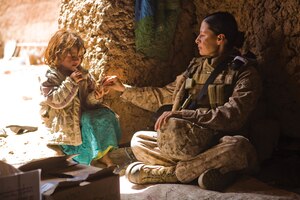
(219, 91)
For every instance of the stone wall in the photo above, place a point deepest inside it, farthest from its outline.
(272, 31)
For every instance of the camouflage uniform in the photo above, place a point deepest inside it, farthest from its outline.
(214, 135)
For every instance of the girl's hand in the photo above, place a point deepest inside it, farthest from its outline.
(113, 82)
(165, 117)
(100, 91)
(77, 76)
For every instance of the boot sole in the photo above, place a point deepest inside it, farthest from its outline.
(129, 168)
(213, 179)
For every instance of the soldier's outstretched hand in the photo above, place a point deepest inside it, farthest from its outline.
(113, 82)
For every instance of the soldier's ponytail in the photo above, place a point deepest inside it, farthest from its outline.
(239, 41)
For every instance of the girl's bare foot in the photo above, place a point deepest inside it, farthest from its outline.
(107, 160)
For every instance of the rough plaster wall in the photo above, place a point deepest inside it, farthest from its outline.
(272, 31)
(107, 27)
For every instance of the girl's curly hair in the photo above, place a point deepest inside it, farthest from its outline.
(60, 45)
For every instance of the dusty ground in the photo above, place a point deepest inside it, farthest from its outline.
(19, 89)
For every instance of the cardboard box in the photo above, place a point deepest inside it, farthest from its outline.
(101, 189)
(21, 186)
(62, 179)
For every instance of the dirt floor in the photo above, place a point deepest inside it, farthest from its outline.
(19, 89)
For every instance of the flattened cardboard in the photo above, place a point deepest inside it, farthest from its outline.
(49, 164)
(65, 179)
(106, 188)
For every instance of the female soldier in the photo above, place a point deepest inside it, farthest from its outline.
(204, 136)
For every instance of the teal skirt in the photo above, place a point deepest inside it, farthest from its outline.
(100, 130)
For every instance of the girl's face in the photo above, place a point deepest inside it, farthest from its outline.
(72, 60)
(207, 41)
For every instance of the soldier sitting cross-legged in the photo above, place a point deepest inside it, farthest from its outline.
(204, 136)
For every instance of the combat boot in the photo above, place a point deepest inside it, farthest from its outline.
(213, 179)
(140, 173)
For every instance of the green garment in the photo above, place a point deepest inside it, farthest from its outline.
(100, 131)
(155, 26)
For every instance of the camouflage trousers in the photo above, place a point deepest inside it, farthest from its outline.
(188, 148)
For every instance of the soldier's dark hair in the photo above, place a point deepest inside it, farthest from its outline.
(225, 23)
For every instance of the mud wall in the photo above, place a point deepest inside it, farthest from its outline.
(272, 31)
(108, 28)
(27, 21)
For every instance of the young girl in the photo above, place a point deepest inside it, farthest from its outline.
(72, 108)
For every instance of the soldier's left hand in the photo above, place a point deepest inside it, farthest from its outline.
(165, 117)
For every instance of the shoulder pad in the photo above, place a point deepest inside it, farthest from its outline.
(194, 62)
(238, 62)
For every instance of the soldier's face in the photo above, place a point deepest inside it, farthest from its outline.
(207, 41)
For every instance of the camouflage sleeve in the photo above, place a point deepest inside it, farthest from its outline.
(149, 98)
(234, 113)
(58, 94)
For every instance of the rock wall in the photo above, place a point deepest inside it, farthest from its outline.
(272, 31)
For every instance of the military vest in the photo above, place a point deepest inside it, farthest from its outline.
(218, 92)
